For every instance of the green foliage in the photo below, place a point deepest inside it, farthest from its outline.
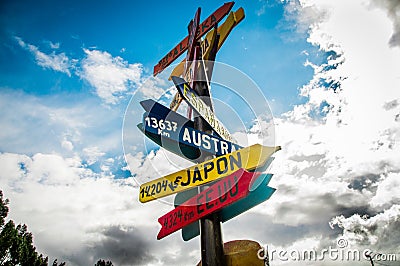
(103, 263)
(56, 264)
(16, 246)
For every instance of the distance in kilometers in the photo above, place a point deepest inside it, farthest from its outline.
(168, 129)
(221, 194)
(248, 158)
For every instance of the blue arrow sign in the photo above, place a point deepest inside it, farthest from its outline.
(187, 152)
(174, 132)
(154, 107)
(259, 192)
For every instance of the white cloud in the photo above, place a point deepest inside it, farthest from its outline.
(92, 154)
(111, 76)
(393, 10)
(388, 191)
(65, 204)
(340, 149)
(378, 231)
(58, 62)
(338, 163)
(62, 124)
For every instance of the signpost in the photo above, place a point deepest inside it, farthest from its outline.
(154, 107)
(192, 29)
(259, 192)
(165, 130)
(219, 195)
(224, 182)
(165, 126)
(194, 100)
(248, 158)
(204, 27)
(233, 19)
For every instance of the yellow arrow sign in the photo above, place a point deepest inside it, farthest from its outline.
(248, 158)
(231, 21)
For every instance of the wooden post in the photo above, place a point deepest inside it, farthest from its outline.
(212, 248)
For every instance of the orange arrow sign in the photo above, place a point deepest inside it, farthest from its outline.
(204, 27)
(233, 19)
(219, 195)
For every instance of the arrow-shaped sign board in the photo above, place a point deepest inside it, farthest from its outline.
(194, 100)
(154, 107)
(167, 129)
(233, 19)
(204, 27)
(219, 195)
(259, 192)
(188, 152)
(248, 158)
(161, 122)
(193, 28)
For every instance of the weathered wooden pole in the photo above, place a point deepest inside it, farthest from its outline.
(212, 247)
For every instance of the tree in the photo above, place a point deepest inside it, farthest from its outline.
(16, 246)
(103, 263)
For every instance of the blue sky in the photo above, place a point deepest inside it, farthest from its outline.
(72, 74)
(139, 32)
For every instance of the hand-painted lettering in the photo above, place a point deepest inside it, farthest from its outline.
(209, 205)
(208, 167)
(188, 179)
(237, 162)
(224, 168)
(199, 204)
(196, 175)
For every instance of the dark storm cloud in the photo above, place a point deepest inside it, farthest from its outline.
(351, 210)
(379, 232)
(276, 234)
(366, 181)
(123, 246)
(392, 8)
(391, 104)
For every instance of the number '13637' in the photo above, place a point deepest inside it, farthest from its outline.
(161, 124)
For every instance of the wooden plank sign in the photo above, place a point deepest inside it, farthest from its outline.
(248, 158)
(164, 129)
(219, 195)
(154, 107)
(187, 152)
(192, 29)
(202, 108)
(259, 192)
(233, 19)
(204, 27)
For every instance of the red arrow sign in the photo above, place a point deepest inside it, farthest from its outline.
(192, 29)
(205, 26)
(219, 195)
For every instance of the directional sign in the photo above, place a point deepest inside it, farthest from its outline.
(188, 152)
(192, 28)
(187, 194)
(259, 192)
(154, 107)
(201, 107)
(168, 130)
(219, 195)
(190, 71)
(204, 27)
(248, 158)
(217, 145)
(233, 19)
